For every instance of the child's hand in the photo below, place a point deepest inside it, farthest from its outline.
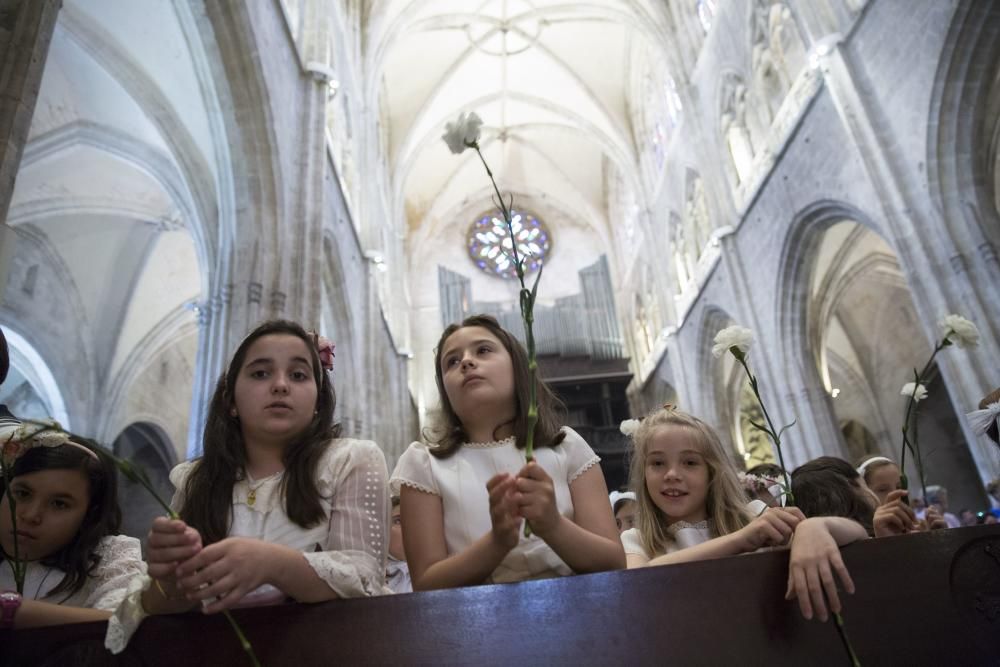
(227, 570)
(169, 543)
(773, 528)
(536, 500)
(503, 510)
(815, 556)
(933, 520)
(894, 516)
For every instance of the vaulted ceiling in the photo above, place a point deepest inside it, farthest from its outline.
(551, 81)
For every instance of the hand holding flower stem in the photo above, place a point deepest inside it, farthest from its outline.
(737, 341)
(50, 433)
(462, 134)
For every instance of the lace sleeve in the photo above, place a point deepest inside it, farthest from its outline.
(353, 562)
(120, 562)
(126, 579)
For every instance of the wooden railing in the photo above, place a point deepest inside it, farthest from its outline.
(929, 599)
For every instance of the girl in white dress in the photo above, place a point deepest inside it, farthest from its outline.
(693, 507)
(68, 517)
(279, 506)
(464, 498)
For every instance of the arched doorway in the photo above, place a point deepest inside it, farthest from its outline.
(866, 337)
(146, 445)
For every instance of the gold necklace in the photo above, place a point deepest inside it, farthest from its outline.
(252, 495)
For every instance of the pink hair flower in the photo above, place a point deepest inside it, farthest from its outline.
(325, 349)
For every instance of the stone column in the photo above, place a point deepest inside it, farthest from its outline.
(26, 28)
(935, 294)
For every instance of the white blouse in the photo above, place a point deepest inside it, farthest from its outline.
(684, 534)
(348, 551)
(120, 559)
(460, 481)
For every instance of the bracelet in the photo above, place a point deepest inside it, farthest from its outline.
(10, 602)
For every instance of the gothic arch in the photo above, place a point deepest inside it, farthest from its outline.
(963, 142)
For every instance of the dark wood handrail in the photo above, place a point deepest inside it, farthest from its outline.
(929, 599)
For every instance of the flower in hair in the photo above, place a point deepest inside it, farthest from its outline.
(917, 391)
(735, 339)
(756, 483)
(629, 427)
(325, 349)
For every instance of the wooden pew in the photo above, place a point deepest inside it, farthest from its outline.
(930, 599)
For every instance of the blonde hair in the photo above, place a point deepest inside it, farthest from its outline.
(726, 502)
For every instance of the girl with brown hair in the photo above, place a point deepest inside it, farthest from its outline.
(465, 495)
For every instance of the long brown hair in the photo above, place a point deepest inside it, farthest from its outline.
(450, 435)
(208, 494)
(725, 504)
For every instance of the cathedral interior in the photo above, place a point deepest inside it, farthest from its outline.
(823, 172)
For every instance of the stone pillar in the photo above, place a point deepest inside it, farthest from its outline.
(26, 28)
(969, 373)
(790, 394)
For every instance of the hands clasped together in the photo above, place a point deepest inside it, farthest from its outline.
(222, 572)
(530, 496)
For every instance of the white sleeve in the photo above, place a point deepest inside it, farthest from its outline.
(633, 543)
(353, 564)
(579, 456)
(414, 470)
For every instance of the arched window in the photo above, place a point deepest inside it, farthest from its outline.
(491, 249)
(662, 109)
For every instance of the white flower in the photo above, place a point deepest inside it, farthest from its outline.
(735, 336)
(462, 133)
(629, 427)
(960, 331)
(917, 391)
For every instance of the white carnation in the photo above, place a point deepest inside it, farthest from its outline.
(463, 132)
(917, 391)
(960, 331)
(735, 336)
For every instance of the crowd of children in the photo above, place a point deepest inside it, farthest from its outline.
(281, 507)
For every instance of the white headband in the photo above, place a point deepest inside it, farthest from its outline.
(874, 459)
(981, 420)
(615, 496)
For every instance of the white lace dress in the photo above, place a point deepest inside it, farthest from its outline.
(120, 562)
(460, 481)
(348, 551)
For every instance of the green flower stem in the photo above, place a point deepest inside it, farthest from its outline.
(790, 497)
(911, 406)
(244, 642)
(137, 475)
(527, 302)
(770, 430)
(16, 565)
(842, 631)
